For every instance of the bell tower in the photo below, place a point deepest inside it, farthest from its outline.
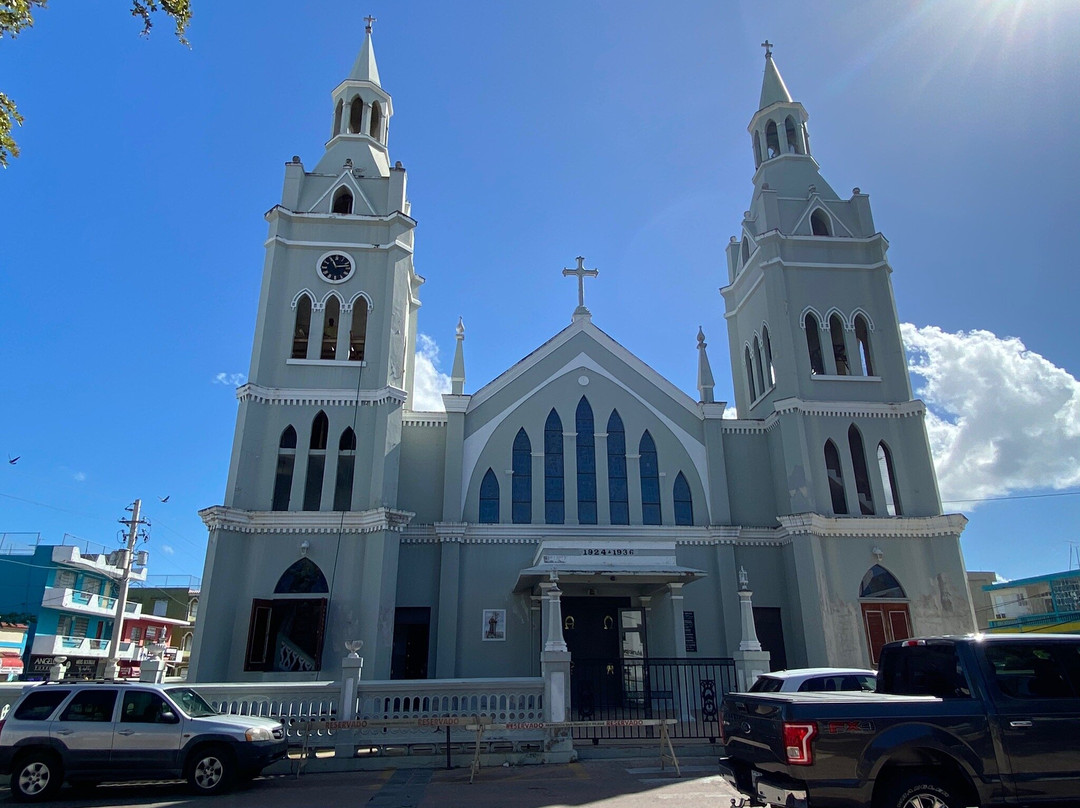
(310, 502)
(813, 331)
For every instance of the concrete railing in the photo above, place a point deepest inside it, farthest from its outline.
(516, 699)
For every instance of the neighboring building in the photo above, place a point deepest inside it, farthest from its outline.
(433, 537)
(12, 647)
(72, 596)
(175, 602)
(978, 583)
(1045, 603)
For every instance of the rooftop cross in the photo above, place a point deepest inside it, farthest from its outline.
(767, 45)
(369, 20)
(581, 274)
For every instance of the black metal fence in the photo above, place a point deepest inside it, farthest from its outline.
(684, 689)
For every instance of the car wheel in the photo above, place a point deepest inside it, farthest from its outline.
(211, 770)
(36, 776)
(921, 791)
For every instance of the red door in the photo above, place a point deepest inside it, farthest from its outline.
(885, 622)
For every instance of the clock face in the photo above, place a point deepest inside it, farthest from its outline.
(335, 267)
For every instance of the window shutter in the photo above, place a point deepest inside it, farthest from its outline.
(258, 645)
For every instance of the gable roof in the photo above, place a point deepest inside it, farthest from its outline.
(583, 325)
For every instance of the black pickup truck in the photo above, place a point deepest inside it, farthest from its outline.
(981, 720)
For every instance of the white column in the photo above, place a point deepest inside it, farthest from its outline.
(750, 660)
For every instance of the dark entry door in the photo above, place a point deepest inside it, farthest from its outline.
(412, 626)
(591, 629)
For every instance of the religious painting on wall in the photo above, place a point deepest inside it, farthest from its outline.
(494, 624)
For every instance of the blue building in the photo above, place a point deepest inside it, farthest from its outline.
(1044, 603)
(69, 598)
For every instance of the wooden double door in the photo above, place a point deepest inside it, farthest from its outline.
(885, 621)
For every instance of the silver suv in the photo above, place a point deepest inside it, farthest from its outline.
(90, 732)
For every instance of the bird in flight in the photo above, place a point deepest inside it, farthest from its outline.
(13, 460)
(165, 498)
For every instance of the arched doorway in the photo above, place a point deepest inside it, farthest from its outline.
(886, 616)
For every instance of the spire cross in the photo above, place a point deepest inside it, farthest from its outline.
(767, 45)
(581, 274)
(369, 20)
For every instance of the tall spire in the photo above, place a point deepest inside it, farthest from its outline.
(705, 382)
(365, 68)
(773, 89)
(457, 373)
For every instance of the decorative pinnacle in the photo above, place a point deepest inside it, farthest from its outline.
(767, 45)
(369, 20)
(460, 330)
(700, 337)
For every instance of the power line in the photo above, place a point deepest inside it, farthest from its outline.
(1012, 496)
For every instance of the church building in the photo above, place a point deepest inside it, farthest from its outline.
(433, 537)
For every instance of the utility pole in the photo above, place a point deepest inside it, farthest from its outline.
(128, 558)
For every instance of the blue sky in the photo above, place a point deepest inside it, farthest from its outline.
(132, 230)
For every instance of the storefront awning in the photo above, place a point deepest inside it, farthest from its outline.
(11, 662)
(585, 561)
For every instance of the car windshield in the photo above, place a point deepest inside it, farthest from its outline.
(191, 702)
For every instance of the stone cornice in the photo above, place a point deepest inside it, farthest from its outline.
(848, 409)
(841, 409)
(422, 419)
(235, 520)
(885, 527)
(258, 394)
(280, 210)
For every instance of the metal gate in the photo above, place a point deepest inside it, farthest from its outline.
(625, 690)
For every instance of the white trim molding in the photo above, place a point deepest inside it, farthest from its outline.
(234, 520)
(879, 527)
(319, 398)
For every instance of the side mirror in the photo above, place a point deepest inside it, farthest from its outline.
(168, 717)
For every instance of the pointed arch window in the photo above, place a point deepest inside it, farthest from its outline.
(554, 502)
(750, 375)
(880, 583)
(650, 481)
(862, 475)
(358, 330)
(346, 463)
(356, 115)
(772, 140)
(303, 577)
(792, 133)
(301, 328)
(836, 479)
(489, 499)
(521, 482)
(819, 223)
(757, 149)
(839, 349)
(758, 366)
(862, 337)
(770, 373)
(618, 492)
(343, 200)
(286, 461)
(684, 502)
(888, 479)
(376, 120)
(813, 344)
(316, 464)
(331, 319)
(586, 464)
(338, 110)
(745, 250)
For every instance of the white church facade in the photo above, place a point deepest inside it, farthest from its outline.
(435, 537)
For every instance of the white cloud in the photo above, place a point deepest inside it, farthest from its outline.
(230, 379)
(1000, 418)
(168, 549)
(429, 383)
(79, 476)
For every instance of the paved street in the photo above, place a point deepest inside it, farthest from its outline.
(610, 783)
